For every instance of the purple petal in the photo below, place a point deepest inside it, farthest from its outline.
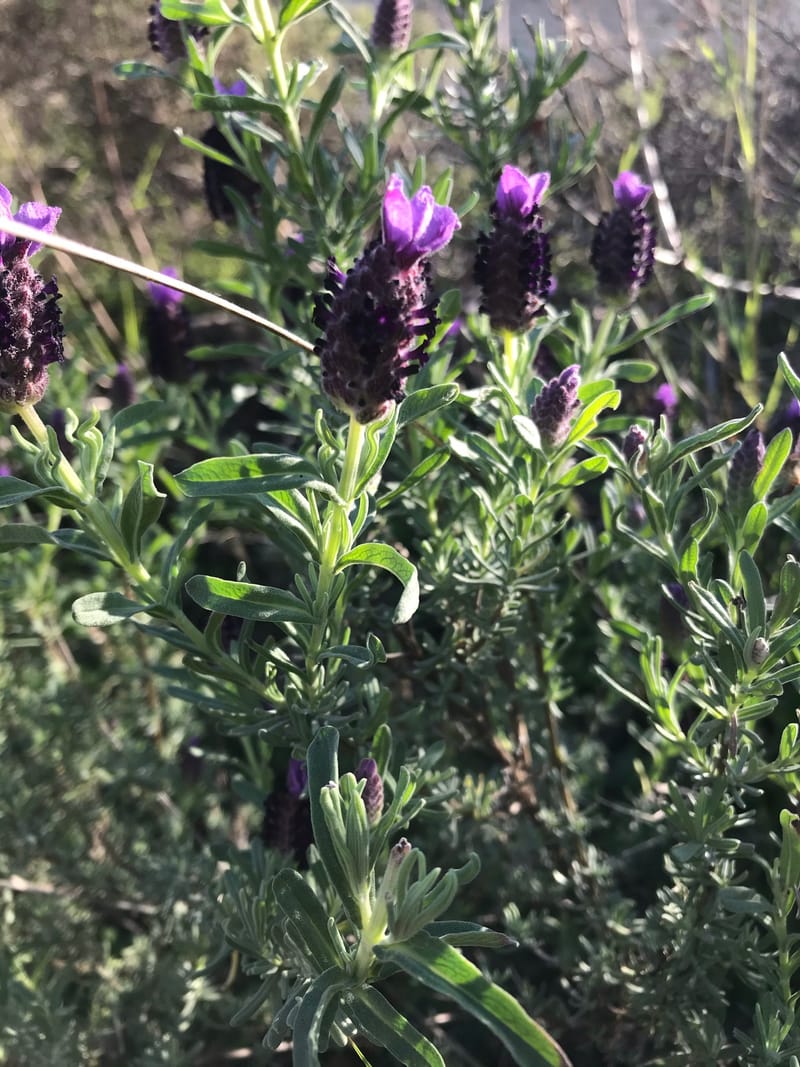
(630, 192)
(163, 294)
(5, 202)
(397, 214)
(517, 194)
(239, 88)
(41, 217)
(296, 776)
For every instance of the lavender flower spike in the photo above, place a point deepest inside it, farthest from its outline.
(162, 294)
(623, 248)
(379, 318)
(168, 332)
(373, 789)
(391, 30)
(513, 262)
(553, 408)
(30, 319)
(745, 467)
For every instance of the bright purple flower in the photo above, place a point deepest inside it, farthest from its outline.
(746, 465)
(239, 88)
(416, 228)
(664, 401)
(512, 266)
(162, 294)
(519, 195)
(623, 249)
(32, 213)
(296, 776)
(379, 318)
(31, 335)
(373, 789)
(553, 408)
(391, 30)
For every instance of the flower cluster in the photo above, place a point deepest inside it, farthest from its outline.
(745, 467)
(30, 318)
(624, 243)
(554, 407)
(391, 30)
(513, 263)
(379, 318)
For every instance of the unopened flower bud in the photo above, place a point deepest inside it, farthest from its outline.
(373, 789)
(745, 467)
(554, 407)
(635, 441)
(391, 30)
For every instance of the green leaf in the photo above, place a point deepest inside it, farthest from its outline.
(632, 370)
(16, 491)
(443, 969)
(307, 1024)
(587, 416)
(424, 401)
(294, 10)
(232, 476)
(323, 767)
(375, 554)
(131, 70)
(105, 609)
(675, 314)
(386, 1027)
(583, 472)
(204, 12)
(423, 470)
(754, 525)
(753, 594)
(439, 39)
(527, 430)
(301, 906)
(469, 935)
(261, 603)
(141, 509)
(708, 437)
(20, 535)
(792, 380)
(136, 413)
(774, 458)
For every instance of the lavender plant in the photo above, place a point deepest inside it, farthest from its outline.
(587, 680)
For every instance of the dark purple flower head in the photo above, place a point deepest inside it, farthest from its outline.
(391, 30)
(166, 36)
(287, 825)
(512, 266)
(664, 401)
(373, 789)
(218, 177)
(379, 318)
(123, 388)
(296, 776)
(168, 332)
(746, 465)
(623, 249)
(634, 442)
(787, 418)
(34, 214)
(31, 335)
(554, 407)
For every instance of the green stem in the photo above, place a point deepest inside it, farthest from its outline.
(272, 46)
(601, 337)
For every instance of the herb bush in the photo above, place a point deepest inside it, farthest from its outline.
(428, 691)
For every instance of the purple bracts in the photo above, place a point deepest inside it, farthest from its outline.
(745, 467)
(379, 318)
(31, 335)
(623, 248)
(512, 267)
(373, 789)
(553, 408)
(391, 30)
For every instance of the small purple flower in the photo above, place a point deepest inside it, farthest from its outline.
(32, 213)
(373, 789)
(379, 318)
(512, 266)
(391, 30)
(634, 442)
(746, 465)
(554, 407)
(239, 88)
(623, 249)
(168, 331)
(31, 335)
(296, 776)
(5, 470)
(664, 401)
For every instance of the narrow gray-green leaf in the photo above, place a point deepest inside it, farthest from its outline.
(680, 311)
(261, 603)
(308, 1021)
(105, 609)
(386, 1027)
(424, 401)
(300, 904)
(231, 476)
(21, 534)
(774, 458)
